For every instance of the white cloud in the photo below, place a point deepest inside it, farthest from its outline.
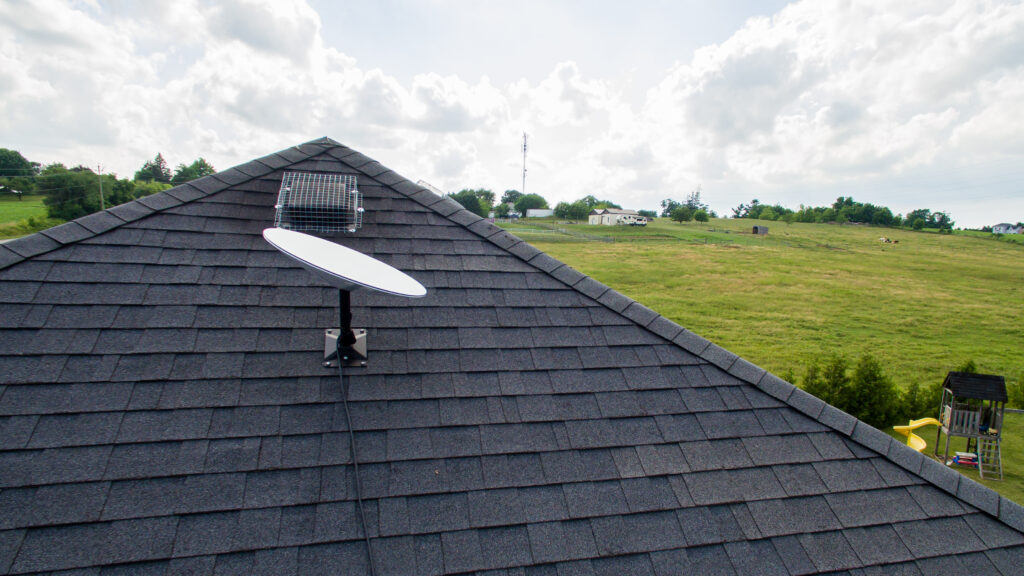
(815, 99)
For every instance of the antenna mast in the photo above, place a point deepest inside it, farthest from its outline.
(524, 164)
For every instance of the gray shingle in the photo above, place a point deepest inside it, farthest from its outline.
(938, 536)
(829, 551)
(561, 541)
(757, 557)
(89, 544)
(587, 499)
(793, 516)
(32, 245)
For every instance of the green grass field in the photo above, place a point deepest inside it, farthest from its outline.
(15, 215)
(921, 306)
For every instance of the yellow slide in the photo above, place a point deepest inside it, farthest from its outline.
(913, 440)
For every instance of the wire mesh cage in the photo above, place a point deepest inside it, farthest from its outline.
(317, 202)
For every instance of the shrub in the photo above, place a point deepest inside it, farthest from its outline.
(920, 401)
(681, 214)
(828, 384)
(868, 394)
(873, 395)
(700, 216)
(1015, 391)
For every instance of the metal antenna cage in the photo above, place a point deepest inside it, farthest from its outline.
(318, 202)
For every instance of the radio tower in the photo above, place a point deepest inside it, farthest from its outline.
(524, 164)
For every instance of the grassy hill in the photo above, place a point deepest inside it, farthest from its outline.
(922, 305)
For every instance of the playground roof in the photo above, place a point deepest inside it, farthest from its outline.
(977, 386)
(164, 409)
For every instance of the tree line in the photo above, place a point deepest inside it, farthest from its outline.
(480, 201)
(693, 208)
(864, 391)
(70, 193)
(843, 210)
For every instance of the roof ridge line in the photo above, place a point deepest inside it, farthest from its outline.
(92, 225)
(933, 472)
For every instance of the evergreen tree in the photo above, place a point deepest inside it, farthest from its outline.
(155, 170)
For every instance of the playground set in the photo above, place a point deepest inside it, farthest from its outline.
(972, 407)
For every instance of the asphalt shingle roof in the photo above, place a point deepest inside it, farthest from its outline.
(164, 410)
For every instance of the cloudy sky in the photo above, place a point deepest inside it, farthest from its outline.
(909, 104)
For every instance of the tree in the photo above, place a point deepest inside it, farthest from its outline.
(681, 213)
(940, 220)
(469, 201)
(872, 396)
(530, 202)
(183, 174)
(510, 196)
(700, 216)
(649, 214)
(828, 383)
(918, 224)
(501, 210)
(486, 198)
(745, 211)
(578, 210)
(155, 169)
(693, 200)
(16, 172)
(667, 206)
(70, 193)
(868, 395)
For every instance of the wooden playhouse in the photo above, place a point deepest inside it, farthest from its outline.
(972, 407)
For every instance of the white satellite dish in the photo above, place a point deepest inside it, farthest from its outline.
(342, 267)
(346, 270)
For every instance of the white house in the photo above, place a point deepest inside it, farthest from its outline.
(615, 216)
(1005, 228)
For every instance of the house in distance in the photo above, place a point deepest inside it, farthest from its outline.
(615, 217)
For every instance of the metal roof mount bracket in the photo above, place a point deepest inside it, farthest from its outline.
(352, 355)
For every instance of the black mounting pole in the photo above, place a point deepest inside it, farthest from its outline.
(347, 337)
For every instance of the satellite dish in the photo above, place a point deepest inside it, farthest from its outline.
(342, 267)
(348, 271)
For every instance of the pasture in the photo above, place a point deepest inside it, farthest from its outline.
(15, 215)
(921, 306)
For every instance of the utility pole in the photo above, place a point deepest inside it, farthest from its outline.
(99, 175)
(524, 164)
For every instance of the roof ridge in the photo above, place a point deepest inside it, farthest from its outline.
(933, 472)
(92, 225)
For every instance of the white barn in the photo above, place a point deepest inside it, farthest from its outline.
(615, 216)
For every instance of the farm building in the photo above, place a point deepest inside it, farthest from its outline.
(539, 213)
(1005, 228)
(165, 409)
(760, 230)
(615, 217)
